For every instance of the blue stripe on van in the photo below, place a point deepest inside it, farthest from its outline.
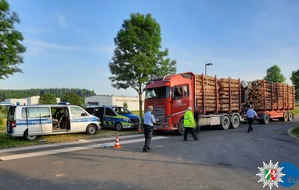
(33, 121)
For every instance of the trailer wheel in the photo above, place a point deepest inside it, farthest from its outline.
(29, 137)
(225, 122)
(265, 119)
(290, 116)
(235, 121)
(285, 117)
(181, 127)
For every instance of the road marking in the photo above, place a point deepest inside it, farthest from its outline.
(71, 149)
(81, 141)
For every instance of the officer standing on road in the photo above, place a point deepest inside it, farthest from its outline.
(189, 124)
(148, 125)
(250, 114)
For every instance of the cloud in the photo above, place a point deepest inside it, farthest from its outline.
(35, 47)
(62, 20)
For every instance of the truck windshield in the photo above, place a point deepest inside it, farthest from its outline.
(161, 92)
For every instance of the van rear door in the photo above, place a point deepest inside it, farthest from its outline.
(39, 121)
(11, 122)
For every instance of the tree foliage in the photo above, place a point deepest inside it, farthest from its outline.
(274, 74)
(47, 99)
(73, 99)
(57, 92)
(295, 80)
(137, 57)
(10, 46)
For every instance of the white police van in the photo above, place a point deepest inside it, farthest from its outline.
(31, 121)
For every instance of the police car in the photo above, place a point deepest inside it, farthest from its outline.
(115, 117)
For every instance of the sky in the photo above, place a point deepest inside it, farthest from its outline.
(71, 42)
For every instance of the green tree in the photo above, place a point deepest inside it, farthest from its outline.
(47, 99)
(274, 74)
(72, 98)
(137, 57)
(295, 80)
(10, 46)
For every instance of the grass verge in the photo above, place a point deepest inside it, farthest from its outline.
(9, 142)
(296, 110)
(295, 131)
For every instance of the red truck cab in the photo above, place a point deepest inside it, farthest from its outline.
(170, 98)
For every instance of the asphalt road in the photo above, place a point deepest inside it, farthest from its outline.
(218, 160)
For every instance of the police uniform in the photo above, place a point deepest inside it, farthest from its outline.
(189, 124)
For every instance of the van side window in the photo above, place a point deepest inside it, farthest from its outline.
(24, 112)
(99, 112)
(38, 112)
(77, 112)
(109, 112)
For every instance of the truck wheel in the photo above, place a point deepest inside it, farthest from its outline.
(91, 129)
(285, 117)
(235, 121)
(29, 137)
(265, 119)
(181, 127)
(290, 116)
(225, 122)
(118, 126)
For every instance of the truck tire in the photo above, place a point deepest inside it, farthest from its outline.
(264, 119)
(285, 117)
(235, 121)
(225, 122)
(290, 116)
(29, 137)
(181, 127)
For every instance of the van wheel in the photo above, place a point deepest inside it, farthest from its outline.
(91, 129)
(29, 137)
(181, 128)
(118, 126)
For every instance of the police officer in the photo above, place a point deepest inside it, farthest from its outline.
(148, 125)
(189, 124)
(250, 114)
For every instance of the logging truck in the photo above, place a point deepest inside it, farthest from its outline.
(216, 101)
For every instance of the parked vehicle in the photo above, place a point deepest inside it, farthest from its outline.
(115, 117)
(217, 101)
(31, 121)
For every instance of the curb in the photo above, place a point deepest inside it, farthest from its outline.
(290, 133)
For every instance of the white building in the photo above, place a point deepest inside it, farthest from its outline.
(26, 101)
(132, 101)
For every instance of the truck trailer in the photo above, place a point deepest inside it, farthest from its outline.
(216, 101)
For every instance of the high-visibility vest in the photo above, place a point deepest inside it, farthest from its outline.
(189, 119)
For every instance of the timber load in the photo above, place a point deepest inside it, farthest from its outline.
(271, 96)
(217, 95)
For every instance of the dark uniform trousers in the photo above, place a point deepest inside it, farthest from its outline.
(250, 122)
(148, 132)
(191, 131)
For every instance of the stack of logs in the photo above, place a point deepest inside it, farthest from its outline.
(221, 95)
(211, 93)
(265, 95)
(229, 94)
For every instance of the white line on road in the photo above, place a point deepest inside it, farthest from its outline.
(68, 143)
(71, 149)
